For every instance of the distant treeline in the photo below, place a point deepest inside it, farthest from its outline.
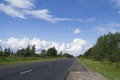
(29, 51)
(107, 47)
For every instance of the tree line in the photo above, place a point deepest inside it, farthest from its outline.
(29, 51)
(107, 47)
(6, 52)
(53, 52)
(25, 52)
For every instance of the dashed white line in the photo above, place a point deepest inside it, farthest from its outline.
(26, 71)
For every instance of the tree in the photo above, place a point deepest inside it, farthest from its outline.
(1, 52)
(67, 55)
(52, 52)
(106, 47)
(21, 52)
(33, 50)
(88, 53)
(26, 52)
(43, 52)
(60, 54)
(7, 52)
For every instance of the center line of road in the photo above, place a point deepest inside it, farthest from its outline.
(26, 71)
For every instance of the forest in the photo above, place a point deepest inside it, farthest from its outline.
(107, 47)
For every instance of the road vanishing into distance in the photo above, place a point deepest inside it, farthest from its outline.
(50, 70)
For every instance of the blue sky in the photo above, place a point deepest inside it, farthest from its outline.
(59, 21)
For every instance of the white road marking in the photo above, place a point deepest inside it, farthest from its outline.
(26, 71)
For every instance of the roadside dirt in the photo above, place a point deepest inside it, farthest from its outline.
(79, 71)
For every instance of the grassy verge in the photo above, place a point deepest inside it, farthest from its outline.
(17, 59)
(110, 70)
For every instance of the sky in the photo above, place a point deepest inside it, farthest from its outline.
(70, 25)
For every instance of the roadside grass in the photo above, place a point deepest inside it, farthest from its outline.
(18, 59)
(109, 70)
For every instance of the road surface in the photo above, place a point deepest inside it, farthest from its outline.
(51, 70)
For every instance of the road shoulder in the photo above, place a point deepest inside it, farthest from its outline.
(79, 71)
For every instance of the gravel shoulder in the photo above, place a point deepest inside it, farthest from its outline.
(79, 71)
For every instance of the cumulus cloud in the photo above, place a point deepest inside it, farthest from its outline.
(77, 31)
(75, 47)
(112, 27)
(26, 8)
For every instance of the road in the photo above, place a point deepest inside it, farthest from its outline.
(51, 70)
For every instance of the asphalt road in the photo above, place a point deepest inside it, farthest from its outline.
(51, 70)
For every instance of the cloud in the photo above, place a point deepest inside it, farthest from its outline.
(25, 4)
(119, 12)
(75, 47)
(112, 27)
(11, 11)
(117, 3)
(44, 15)
(86, 20)
(25, 8)
(77, 31)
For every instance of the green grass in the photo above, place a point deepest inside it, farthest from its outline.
(110, 70)
(18, 59)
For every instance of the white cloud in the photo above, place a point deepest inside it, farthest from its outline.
(101, 29)
(75, 47)
(11, 11)
(117, 3)
(77, 31)
(112, 27)
(86, 20)
(25, 8)
(119, 12)
(26, 4)
(44, 15)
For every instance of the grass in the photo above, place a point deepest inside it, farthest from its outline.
(18, 59)
(110, 70)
